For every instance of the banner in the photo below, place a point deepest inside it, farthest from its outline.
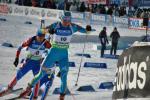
(4, 8)
(133, 73)
(146, 2)
(31, 12)
(137, 23)
(95, 1)
(119, 20)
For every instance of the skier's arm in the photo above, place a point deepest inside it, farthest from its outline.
(24, 44)
(51, 28)
(76, 28)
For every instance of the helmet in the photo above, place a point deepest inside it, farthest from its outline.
(41, 32)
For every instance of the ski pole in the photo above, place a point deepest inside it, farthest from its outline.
(87, 17)
(83, 50)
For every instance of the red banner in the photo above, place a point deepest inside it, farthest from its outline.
(3, 8)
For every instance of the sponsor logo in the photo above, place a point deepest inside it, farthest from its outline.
(35, 12)
(51, 14)
(131, 75)
(98, 17)
(10, 9)
(77, 15)
(26, 11)
(18, 10)
(121, 20)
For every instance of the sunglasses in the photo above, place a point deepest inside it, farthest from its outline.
(66, 19)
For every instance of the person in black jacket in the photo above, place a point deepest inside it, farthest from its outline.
(103, 40)
(115, 37)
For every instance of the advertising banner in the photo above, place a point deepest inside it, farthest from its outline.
(4, 9)
(33, 12)
(118, 20)
(137, 23)
(133, 73)
(95, 1)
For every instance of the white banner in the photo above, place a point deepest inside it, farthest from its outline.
(136, 23)
(118, 20)
(33, 12)
(98, 17)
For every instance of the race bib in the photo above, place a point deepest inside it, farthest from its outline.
(62, 39)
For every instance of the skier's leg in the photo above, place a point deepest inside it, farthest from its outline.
(49, 83)
(35, 91)
(64, 68)
(47, 63)
(20, 73)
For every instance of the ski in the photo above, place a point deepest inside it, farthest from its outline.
(13, 98)
(17, 97)
(13, 91)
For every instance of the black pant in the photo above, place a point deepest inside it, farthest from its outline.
(113, 48)
(103, 49)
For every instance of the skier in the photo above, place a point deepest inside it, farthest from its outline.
(48, 81)
(36, 45)
(103, 40)
(62, 33)
(115, 37)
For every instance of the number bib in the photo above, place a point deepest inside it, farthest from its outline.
(61, 41)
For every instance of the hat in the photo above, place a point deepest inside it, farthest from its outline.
(67, 16)
(41, 32)
(67, 13)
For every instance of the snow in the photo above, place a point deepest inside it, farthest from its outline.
(15, 31)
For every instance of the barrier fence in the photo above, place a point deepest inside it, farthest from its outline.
(96, 19)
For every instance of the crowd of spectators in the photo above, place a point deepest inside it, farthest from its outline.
(112, 9)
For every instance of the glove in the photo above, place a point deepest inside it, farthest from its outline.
(16, 62)
(88, 28)
(58, 74)
(52, 31)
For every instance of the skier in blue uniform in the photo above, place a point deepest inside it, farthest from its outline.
(62, 33)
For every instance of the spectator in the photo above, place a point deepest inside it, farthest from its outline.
(61, 5)
(82, 7)
(19, 2)
(103, 10)
(115, 37)
(103, 40)
(36, 3)
(27, 3)
(67, 5)
(73, 7)
(49, 4)
(145, 14)
(110, 11)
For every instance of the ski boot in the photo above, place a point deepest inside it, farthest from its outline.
(62, 97)
(5, 91)
(26, 92)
